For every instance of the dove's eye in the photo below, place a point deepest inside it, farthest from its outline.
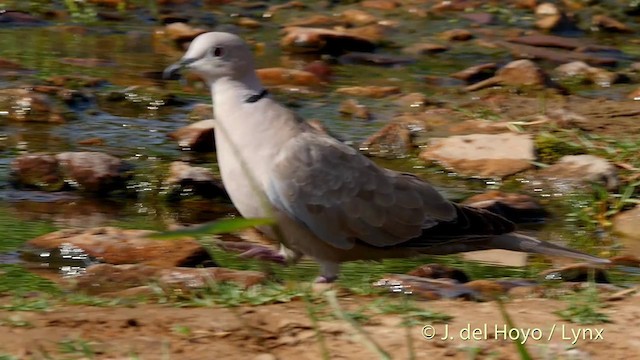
(217, 51)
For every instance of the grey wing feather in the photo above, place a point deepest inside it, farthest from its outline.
(342, 196)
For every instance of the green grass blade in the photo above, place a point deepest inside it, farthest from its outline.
(223, 226)
(522, 350)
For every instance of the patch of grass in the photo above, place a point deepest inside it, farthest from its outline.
(89, 300)
(231, 295)
(27, 304)
(358, 316)
(15, 321)
(409, 310)
(595, 210)
(77, 347)
(550, 148)
(82, 12)
(614, 148)
(8, 357)
(15, 280)
(15, 232)
(584, 308)
(182, 330)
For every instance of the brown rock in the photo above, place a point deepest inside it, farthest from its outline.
(29, 106)
(479, 18)
(94, 141)
(353, 108)
(93, 171)
(369, 91)
(438, 271)
(316, 40)
(38, 171)
(550, 22)
(393, 140)
(197, 136)
(555, 55)
(108, 278)
(413, 100)
(356, 17)
(634, 95)
(523, 72)
(583, 169)
(608, 24)
(194, 180)
(516, 73)
(320, 69)
(483, 155)
(425, 48)
(479, 126)
(379, 4)
(299, 5)
(181, 32)
(119, 246)
(248, 23)
(515, 207)
(525, 292)
(374, 33)
(315, 21)
(525, 4)
(402, 134)
(476, 73)
(457, 35)
(282, 76)
(576, 273)
(488, 289)
(6, 64)
(594, 75)
(551, 18)
(627, 223)
(460, 5)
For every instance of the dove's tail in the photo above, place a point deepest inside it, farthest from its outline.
(519, 242)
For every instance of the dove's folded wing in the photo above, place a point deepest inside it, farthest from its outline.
(342, 196)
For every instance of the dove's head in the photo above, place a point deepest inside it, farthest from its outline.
(215, 55)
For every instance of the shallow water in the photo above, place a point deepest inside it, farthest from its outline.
(136, 129)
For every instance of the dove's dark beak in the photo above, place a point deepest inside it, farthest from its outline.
(172, 72)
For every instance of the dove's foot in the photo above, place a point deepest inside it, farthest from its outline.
(325, 280)
(265, 254)
(328, 272)
(284, 255)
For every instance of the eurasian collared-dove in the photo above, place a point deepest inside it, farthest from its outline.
(331, 203)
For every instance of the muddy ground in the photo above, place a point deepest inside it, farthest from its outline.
(285, 332)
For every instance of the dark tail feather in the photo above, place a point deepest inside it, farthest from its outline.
(519, 242)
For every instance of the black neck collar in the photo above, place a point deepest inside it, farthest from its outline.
(257, 97)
